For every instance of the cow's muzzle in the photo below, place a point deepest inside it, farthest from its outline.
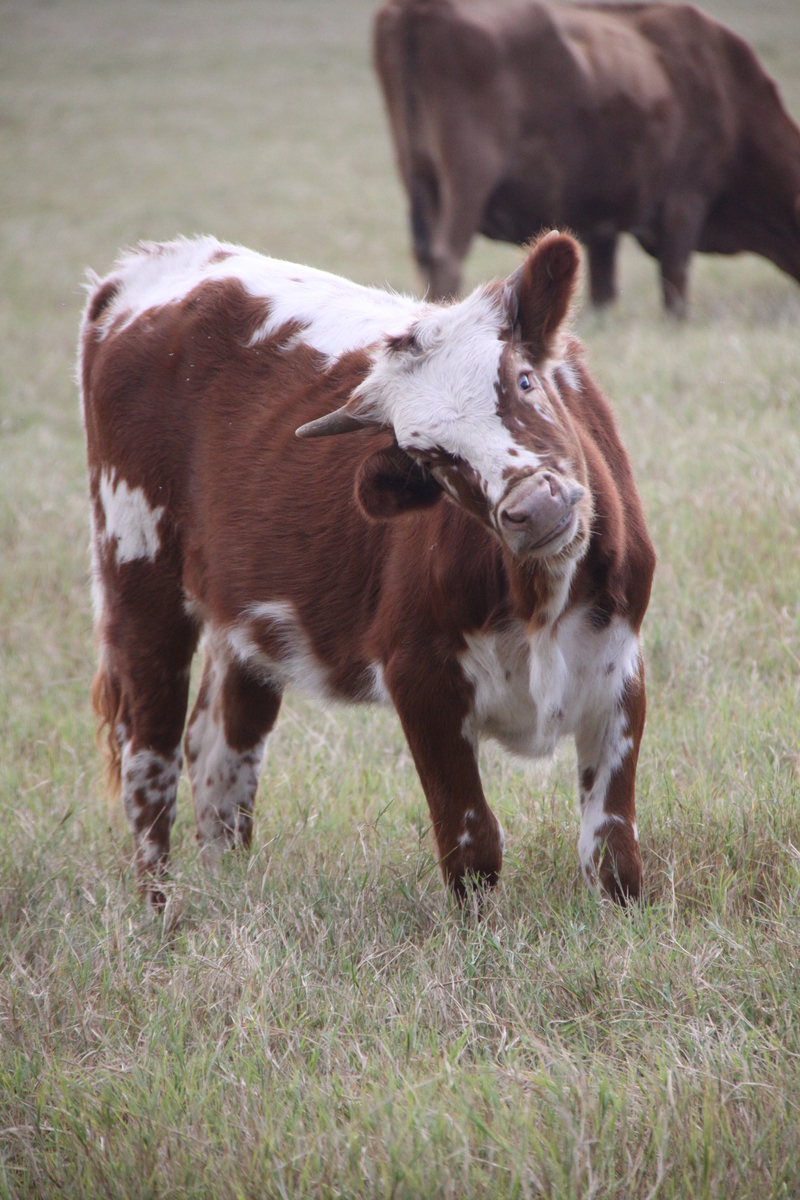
(539, 515)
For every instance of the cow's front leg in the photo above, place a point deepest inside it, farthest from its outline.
(682, 221)
(434, 710)
(608, 750)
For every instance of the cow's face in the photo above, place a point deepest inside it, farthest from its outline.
(470, 392)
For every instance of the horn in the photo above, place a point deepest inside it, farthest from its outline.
(340, 421)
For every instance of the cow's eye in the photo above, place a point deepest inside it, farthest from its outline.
(524, 382)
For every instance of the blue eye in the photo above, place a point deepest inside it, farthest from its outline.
(524, 382)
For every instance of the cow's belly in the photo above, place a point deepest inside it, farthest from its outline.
(529, 691)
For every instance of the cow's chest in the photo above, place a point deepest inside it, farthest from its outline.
(531, 690)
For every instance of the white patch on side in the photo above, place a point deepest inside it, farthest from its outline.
(296, 663)
(443, 395)
(224, 781)
(336, 315)
(379, 691)
(129, 520)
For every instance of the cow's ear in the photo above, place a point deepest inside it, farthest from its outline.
(390, 482)
(540, 291)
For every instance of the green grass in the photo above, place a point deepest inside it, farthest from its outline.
(316, 1018)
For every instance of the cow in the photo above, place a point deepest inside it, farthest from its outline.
(646, 118)
(377, 499)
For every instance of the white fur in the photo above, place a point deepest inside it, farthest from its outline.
(224, 780)
(129, 520)
(149, 785)
(566, 374)
(95, 553)
(594, 819)
(444, 398)
(336, 315)
(379, 691)
(445, 395)
(297, 664)
(532, 690)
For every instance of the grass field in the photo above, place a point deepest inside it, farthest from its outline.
(315, 1018)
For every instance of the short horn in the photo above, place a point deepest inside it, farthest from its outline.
(340, 421)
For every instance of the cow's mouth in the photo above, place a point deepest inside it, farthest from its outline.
(556, 533)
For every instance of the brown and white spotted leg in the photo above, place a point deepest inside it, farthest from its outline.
(224, 744)
(145, 665)
(149, 794)
(434, 712)
(608, 844)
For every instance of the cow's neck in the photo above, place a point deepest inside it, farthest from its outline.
(539, 593)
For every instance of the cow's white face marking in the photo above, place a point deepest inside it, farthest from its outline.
(130, 521)
(441, 394)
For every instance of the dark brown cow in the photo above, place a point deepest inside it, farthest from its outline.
(473, 551)
(646, 118)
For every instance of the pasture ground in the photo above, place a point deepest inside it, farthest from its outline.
(315, 1018)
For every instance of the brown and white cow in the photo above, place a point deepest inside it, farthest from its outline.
(653, 118)
(472, 550)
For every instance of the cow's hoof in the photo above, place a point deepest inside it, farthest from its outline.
(475, 865)
(614, 867)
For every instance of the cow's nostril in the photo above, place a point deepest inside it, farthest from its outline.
(514, 516)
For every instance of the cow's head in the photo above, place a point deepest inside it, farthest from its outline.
(470, 393)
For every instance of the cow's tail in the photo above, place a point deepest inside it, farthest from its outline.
(397, 62)
(107, 703)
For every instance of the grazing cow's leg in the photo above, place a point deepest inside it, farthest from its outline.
(434, 713)
(141, 691)
(461, 203)
(682, 221)
(608, 844)
(224, 744)
(423, 190)
(603, 268)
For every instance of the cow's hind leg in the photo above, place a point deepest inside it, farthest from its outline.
(140, 693)
(224, 744)
(446, 213)
(602, 249)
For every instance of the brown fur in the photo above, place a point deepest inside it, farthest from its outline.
(184, 407)
(648, 118)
